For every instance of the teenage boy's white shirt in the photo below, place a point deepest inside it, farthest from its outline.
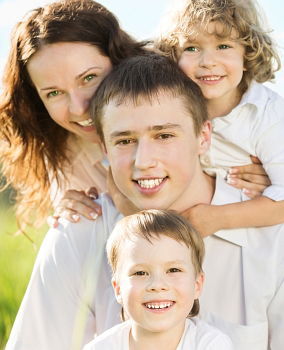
(243, 293)
(197, 335)
(254, 127)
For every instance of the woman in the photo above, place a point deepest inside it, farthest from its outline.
(59, 54)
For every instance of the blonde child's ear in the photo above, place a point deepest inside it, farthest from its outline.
(205, 137)
(116, 288)
(198, 285)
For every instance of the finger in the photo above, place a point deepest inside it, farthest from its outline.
(251, 194)
(70, 215)
(52, 221)
(92, 192)
(255, 160)
(253, 178)
(83, 206)
(247, 169)
(241, 184)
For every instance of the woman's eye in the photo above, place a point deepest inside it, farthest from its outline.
(89, 77)
(140, 273)
(174, 269)
(53, 93)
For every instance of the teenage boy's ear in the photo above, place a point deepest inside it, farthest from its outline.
(116, 288)
(205, 137)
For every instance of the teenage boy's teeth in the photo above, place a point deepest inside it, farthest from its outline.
(151, 183)
(87, 122)
(159, 305)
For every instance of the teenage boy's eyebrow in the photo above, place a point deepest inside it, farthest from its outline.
(162, 127)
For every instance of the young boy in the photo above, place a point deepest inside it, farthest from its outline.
(156, 259)
(153, 122)
(224, 48)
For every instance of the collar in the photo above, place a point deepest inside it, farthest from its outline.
(256, 95)
(226, 194)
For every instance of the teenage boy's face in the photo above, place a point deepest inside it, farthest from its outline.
(154, 152)
(157, 290)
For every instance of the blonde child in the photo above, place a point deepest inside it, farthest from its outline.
(156, 259)
(221, 45)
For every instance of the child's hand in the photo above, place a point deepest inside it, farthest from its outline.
(251, 178)
(123, 204)
(74, 204)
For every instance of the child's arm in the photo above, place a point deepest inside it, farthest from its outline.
(258, 212)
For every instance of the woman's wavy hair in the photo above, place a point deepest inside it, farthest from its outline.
(260, 59)
(33, 146)
(151, 225)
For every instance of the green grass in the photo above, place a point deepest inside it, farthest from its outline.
(17, 255)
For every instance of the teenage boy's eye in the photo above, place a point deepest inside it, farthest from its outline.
(174, 269)
(124, 142)
(164, 136)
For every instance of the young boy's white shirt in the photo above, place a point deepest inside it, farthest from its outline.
(254, 127)
(243, 293)
(197, 335)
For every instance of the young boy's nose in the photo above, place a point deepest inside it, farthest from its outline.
(207, 59)
(157, 283)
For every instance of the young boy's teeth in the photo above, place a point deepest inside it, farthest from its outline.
(151, 183)
(87, 122)
(210, 78)
(158, 305)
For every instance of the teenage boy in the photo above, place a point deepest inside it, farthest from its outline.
(153, 123)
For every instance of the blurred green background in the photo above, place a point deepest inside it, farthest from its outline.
(17, 255)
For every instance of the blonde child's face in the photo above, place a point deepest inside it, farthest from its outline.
(216, 65)
(156, 284)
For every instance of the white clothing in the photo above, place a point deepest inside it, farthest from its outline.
(86, 169)
(197, 335)
(254, 127)
(243, 293)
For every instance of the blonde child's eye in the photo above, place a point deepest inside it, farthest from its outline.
(191, 49)
(223, 46)
(53, 93)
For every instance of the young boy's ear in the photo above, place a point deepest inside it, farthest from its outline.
(198, 285)
(205, 137)
(116, 288)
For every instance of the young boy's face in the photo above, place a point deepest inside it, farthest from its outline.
(156, 284)
(154, 152)
(215, 64)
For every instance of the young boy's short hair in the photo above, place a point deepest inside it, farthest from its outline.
(151, 224)
(260, 59)
(145, 77)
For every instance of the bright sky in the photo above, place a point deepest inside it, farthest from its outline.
(140, 18)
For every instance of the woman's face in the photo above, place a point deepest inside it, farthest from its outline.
(66, 75)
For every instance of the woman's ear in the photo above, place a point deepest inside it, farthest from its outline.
(205, 137)
(116, 288)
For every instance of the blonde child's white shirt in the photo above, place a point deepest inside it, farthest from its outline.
(88, 167)
(197, 335)
(254, 127)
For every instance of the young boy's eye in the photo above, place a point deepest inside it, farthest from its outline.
(53, 93)
(174, 269)
(140, 273)
(191, 49)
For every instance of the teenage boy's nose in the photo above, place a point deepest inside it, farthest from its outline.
(157, 283)
(144, 155)
(78, 104)
(207, 59)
